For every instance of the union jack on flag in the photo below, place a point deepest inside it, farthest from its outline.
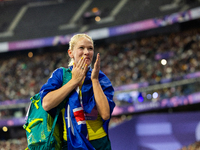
(78, 105)
(77, 135)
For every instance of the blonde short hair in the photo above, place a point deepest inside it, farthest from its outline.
(73, 42)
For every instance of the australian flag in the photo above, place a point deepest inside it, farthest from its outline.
(77, 135)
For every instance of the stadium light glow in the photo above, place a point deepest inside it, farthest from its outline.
(148, 96)
(95, 9)
(163, 62)
(140, 97)
(5, 129)
(155, 95)
(30, 54)
(97, 18)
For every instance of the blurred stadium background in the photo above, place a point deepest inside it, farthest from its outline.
(150, 50)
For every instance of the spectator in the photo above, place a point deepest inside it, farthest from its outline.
(126, 62)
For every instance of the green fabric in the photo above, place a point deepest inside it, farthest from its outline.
(37, 127)
(42, 131)
(101, 144)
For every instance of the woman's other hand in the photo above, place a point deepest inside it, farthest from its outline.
(95, 71)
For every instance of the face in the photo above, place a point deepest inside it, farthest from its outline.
(83, 48)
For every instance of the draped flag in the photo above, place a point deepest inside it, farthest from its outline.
(77, 135)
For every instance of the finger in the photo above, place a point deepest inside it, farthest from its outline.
(85, 68)
(74, 65)
(98, 58)
(97, 63)
(82, 64)
(79, 62)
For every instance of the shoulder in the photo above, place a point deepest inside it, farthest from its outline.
(104, 80)
(56, 76)
(54, 82)
(102, 76)
(57, 73)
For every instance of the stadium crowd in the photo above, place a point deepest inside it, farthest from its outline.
(14, 144)
(126, 62)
